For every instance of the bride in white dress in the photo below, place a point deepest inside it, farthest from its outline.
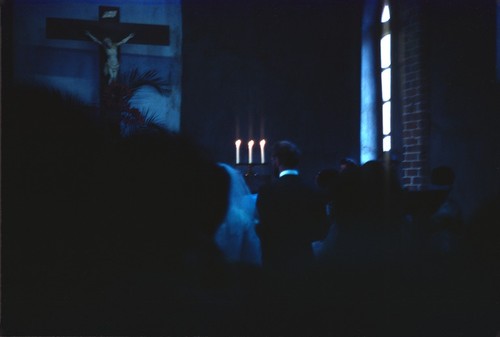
(236, 236)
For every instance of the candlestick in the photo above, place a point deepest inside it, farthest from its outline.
(250, 145)
(238, 143)
(262, 144)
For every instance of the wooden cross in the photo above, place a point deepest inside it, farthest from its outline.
(108, 26)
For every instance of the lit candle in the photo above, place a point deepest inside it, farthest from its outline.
(262, 144)
(250, 145)
(238, 143)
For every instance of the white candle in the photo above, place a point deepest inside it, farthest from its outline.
(238, 144)
(250, 146)
(262, 144)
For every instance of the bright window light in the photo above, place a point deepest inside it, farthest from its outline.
(386, 84)
(386, 118)
(386, 14)
(386, 144)
(385, 64)
(385, 51)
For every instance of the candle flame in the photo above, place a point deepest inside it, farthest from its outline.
(238, 143)
(262, 157)
(250, 145)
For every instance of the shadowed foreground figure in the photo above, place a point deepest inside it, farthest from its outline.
(104, 236)
(109, 236)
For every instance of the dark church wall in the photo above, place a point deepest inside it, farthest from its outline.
(273, 70)
(464, 119)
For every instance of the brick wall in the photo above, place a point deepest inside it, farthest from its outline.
(414, 98)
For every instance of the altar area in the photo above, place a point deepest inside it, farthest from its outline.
(255, 175)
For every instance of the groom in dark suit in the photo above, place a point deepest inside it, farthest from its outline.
(291, 214)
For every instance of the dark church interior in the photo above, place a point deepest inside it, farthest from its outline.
(137, 144)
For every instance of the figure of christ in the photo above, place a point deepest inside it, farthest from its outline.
(111, 49)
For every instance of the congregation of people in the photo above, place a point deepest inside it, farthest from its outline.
(149, 235)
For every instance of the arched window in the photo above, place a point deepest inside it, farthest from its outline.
(385, 76)
(377, 98)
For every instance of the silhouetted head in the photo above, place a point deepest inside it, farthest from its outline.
(347, 163)
(162, 194)
(285, 155)
(327, 178)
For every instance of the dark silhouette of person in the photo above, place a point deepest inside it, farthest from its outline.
(161, 202)
(291, 214)
(348, 192)
(381, 197)
(481, 266)
(347, 163)
(459, 283)
(368, 218)
(327, 181)
(106, 236)
(346, 208)
(49, 157)
(446, 225)
(435, 223)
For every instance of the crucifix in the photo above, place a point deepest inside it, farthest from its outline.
(110, 34)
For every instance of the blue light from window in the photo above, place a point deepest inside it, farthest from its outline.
(386, 144)
(386, 118)
(386, 84)
(386, 14)
(385, 51)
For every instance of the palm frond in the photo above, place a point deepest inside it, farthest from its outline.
(135, 80)
(151, 119)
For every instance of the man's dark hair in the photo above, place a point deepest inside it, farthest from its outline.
(287, 153)
(348, 162)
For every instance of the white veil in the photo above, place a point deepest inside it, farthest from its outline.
(236, 236)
